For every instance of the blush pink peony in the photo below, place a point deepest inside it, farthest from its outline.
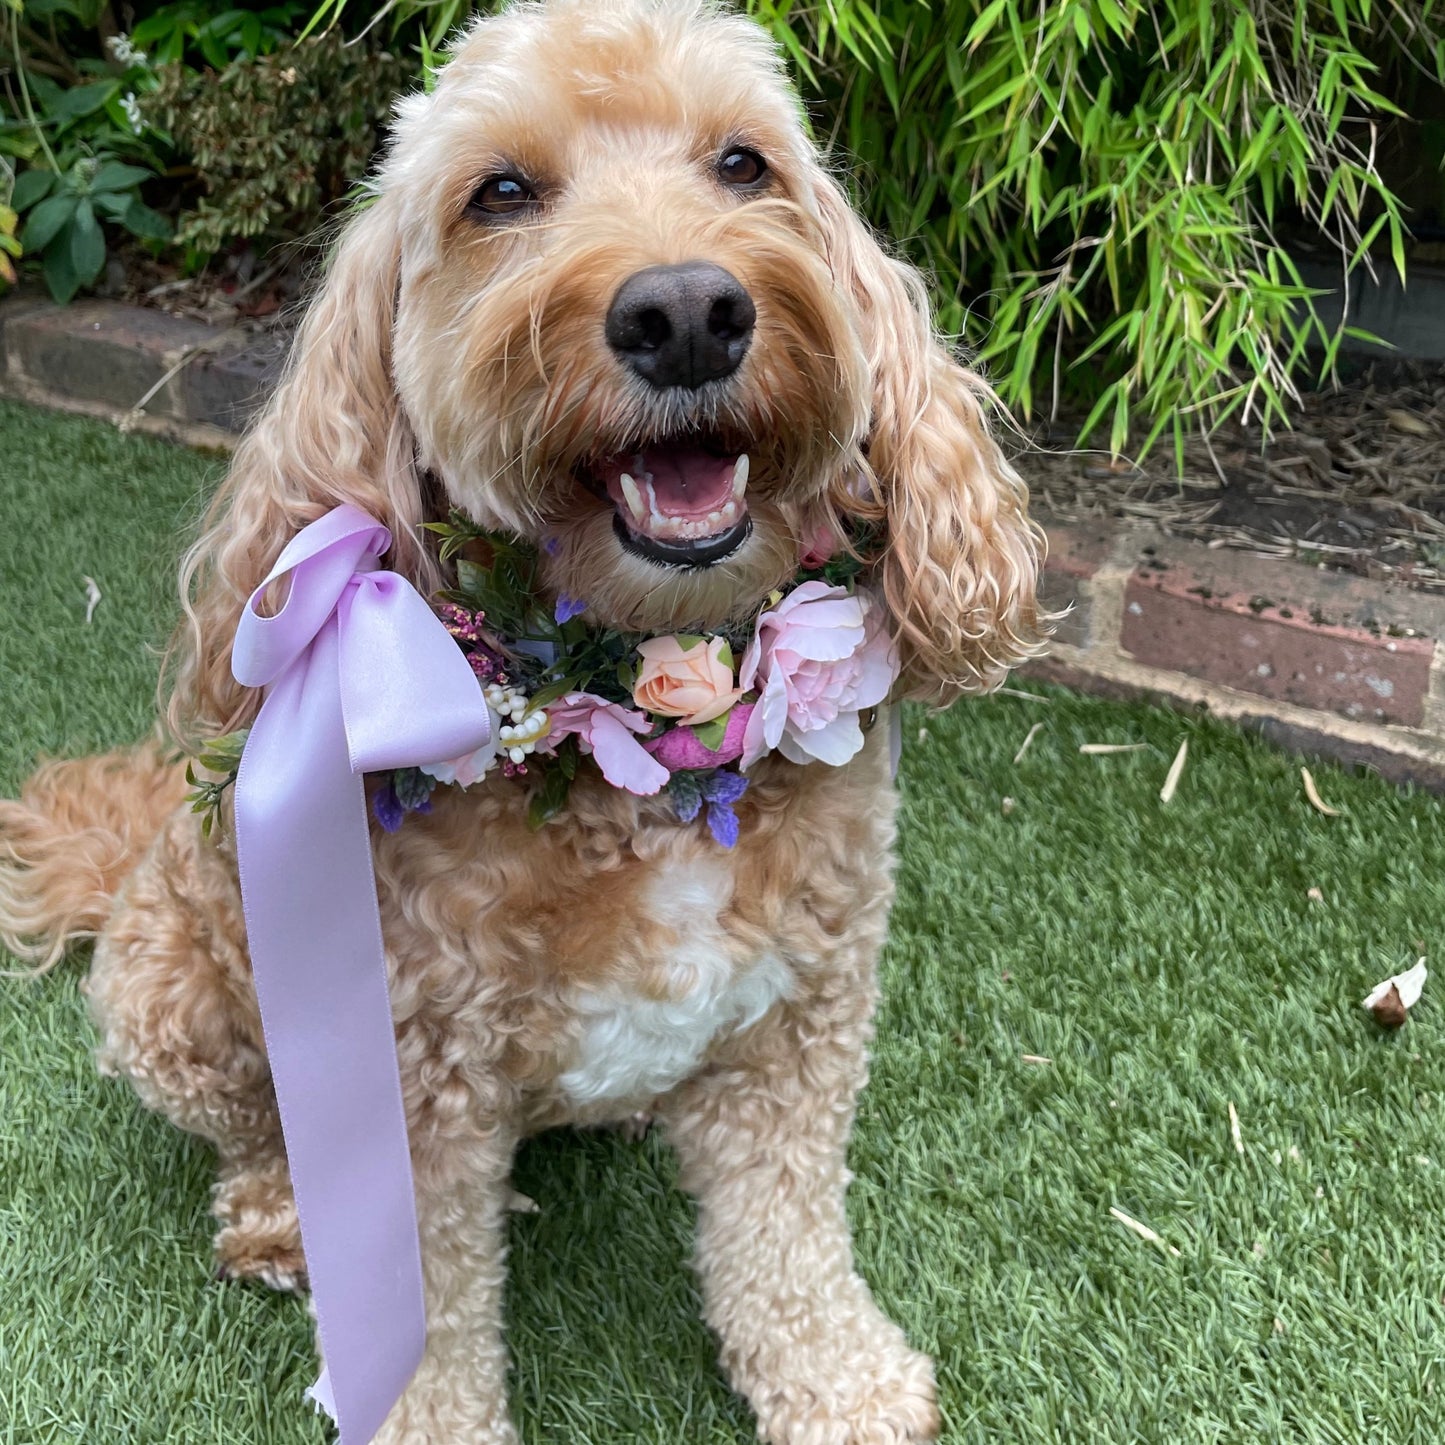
(817, 660)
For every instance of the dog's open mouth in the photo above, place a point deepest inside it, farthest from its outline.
(680, 503)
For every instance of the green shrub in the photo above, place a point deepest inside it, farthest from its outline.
(63, 214)
(72, 152)
(1100, 187)
(277, 138)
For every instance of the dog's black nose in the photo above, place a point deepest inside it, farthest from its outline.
(681, 325)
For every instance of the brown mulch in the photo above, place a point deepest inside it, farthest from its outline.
(257, 291)
(1358, 484)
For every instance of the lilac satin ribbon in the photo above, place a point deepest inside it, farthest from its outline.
(360, 675)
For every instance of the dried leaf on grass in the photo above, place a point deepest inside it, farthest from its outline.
(1392, 998)
(1035, 1059)
(1176, 771)
(1142, 1230)
(92, 596)
(1234, 1133)
(1099, 750)
(1032, 733)
(1313, 794)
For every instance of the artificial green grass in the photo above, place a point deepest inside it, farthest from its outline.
(1167, 960)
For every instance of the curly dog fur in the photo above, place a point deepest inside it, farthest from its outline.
(614, 960)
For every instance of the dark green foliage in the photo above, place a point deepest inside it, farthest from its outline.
(274, 139)
(222, 758)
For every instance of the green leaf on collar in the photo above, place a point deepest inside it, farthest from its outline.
(711, 734)
(550, 798)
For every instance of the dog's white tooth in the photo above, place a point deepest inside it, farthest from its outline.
(740, 475)
(661, 525)
(633, 495)
(714, 520)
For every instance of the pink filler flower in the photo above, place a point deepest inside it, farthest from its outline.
(817, 659)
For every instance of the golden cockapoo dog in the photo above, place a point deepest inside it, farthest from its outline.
(605, 232)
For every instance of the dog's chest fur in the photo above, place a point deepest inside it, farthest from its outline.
(641, 1035)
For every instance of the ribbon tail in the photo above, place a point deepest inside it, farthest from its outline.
(320, 1395)
(314, 934)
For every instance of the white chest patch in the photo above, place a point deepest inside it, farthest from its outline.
(634, 1045)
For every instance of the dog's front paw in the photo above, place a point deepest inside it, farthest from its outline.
(260, 1237)
(888, 1398)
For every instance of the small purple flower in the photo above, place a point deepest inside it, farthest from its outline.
(387, 807)
(552, 545)
(568, 608)
(722, 823)
(721, 790)
(724, 787)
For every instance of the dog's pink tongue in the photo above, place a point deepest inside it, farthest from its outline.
(688, 483)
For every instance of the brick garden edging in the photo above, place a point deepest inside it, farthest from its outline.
(102, 358)
(1345, 667)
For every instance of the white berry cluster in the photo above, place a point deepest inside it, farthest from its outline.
(522, 727)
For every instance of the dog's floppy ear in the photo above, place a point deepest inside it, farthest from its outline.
(961, 560)
(333, 432)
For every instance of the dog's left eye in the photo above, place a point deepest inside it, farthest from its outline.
(741, 167)
(502, 196)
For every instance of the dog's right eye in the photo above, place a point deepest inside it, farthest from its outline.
(501, 197)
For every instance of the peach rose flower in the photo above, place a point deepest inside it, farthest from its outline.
(689, 678)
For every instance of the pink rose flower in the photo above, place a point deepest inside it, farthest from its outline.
(690, 679)
(818, 659)
(607, 731)
(680, 749)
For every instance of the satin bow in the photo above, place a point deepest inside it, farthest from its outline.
(360, 675)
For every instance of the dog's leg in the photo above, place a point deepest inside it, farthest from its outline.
(459, 1394)
(762, 1138)
(260, 1234)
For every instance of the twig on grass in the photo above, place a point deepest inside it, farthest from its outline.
(1032, 733)
(1313, 794)
(1142, 1230)
(1176, 771)
(1234, 1133)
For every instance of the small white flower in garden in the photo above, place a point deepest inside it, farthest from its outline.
(131, 106)
(123, 52)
